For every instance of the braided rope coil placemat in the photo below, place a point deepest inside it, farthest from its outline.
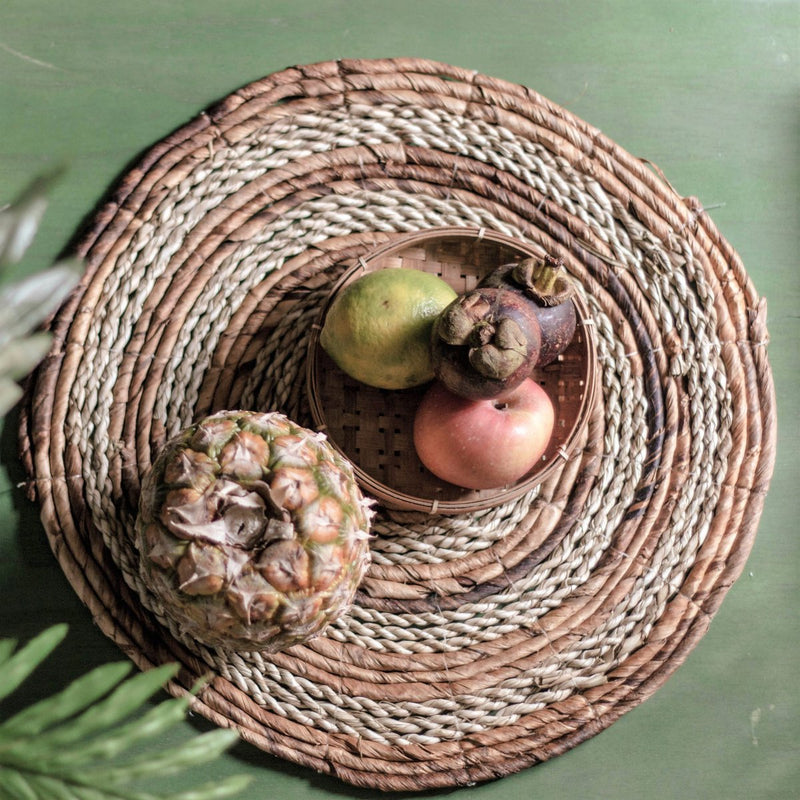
(478, 644)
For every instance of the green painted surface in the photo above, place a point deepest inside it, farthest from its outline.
(706, 90)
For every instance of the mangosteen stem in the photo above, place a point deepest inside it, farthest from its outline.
(544, 279)
(546, 274)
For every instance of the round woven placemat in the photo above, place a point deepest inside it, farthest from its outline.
(479, 644)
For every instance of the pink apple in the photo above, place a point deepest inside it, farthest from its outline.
(483, 444)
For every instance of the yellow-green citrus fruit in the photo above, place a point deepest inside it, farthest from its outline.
(378, 328)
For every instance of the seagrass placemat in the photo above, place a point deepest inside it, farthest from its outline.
(479, 644)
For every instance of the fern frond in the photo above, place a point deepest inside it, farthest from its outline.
(213, 791)
(78, 695)
(19, 666)
(76, 743)
(123, 701)
(7, 648)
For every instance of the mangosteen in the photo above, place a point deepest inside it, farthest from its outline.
(546, 285)
(485, 342)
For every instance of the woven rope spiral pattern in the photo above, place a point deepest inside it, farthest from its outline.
(479, 644)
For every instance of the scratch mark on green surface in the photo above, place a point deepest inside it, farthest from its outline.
(755, 718)
(24, 57)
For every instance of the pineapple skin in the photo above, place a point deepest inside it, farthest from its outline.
(252, 532)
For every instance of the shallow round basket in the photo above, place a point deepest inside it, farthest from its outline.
(479, 643)
(373, 428)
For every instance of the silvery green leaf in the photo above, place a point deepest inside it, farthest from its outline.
(18, 228)
(28, 302)
(19, 356)
(20, 220)
(10, 393)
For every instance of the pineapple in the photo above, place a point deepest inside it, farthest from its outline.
(252, 532)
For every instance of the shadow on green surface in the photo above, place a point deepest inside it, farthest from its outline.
(253, 759)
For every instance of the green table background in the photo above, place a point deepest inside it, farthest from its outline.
(706, 90)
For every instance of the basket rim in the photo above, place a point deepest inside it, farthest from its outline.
(487, 498)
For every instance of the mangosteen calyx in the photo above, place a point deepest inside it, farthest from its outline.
(485, 341)
(543, 279)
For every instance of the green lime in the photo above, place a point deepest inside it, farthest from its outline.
(378, 328)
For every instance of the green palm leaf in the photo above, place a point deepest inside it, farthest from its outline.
(76, 743)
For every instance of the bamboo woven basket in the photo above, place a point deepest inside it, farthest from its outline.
(479, 643)
(373, 428)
